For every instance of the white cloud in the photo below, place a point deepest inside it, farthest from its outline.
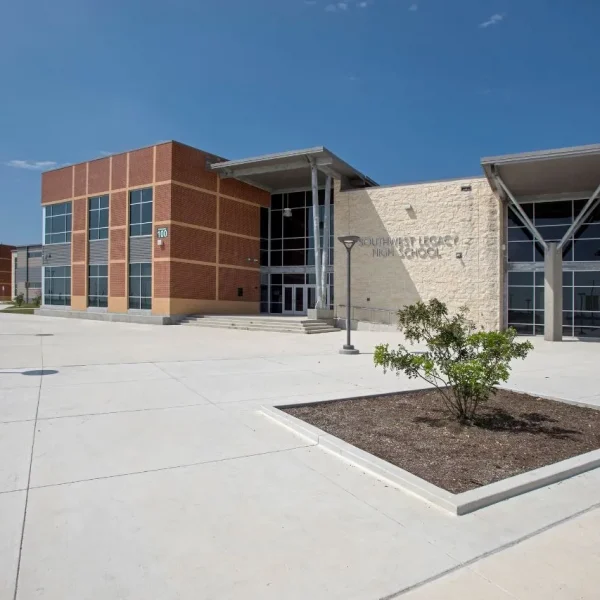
(413, 7)
(336, 7)
(35, 165)
(362, 4)
(493, 20)
(105, 153)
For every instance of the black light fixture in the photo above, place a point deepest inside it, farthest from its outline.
(349, 241)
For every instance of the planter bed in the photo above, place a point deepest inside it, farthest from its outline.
(517, 443)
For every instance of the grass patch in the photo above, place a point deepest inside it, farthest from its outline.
(21, 310)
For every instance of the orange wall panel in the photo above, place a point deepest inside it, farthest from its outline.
(78, 276)
(57, 185)
(243, 191)
(141, 167)
(232, 279)
(164, 162)
(189, 166)
(117, 280)
(79, 209)
(194, 207)
(234, 250)
(237, 217)
(99, 176)
(119, 172)
(79, 241)
(118, 240)
(189, 280)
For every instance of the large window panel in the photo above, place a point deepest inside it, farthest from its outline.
(98, 286)
(140, 286)
(140, 212)
(553, 213)
(57, 223)
(98, 218)
(57, 286)
(586, 250)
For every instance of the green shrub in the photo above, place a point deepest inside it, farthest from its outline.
(37, 301)
(19, 299)
(464, 365)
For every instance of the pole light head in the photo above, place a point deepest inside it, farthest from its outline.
(349, 241)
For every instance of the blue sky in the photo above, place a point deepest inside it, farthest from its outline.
(404, 90)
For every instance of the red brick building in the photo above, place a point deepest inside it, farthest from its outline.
(151, 229)
(5, 272)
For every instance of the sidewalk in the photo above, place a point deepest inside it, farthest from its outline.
(563, 563)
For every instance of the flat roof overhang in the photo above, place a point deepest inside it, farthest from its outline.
(288, 171)
(563, 173)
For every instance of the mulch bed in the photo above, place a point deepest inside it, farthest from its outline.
(513, 433)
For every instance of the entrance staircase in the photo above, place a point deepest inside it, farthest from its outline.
(260, 323)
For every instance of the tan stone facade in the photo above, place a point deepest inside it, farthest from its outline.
(429, 240)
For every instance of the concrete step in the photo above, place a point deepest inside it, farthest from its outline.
(277, 324)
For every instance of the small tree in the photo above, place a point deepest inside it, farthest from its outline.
(19, 299)
(37, 301)
(462, 363)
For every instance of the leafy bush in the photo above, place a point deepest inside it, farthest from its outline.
(19, 299)
(37, 301)
(462, 363)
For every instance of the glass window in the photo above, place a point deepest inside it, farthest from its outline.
(521, 251)
(587, 250)
(553, 213)
(57, 223)
(514, 220)
(98, 218)
(519, 234)
(140, 212)
(520, 278)
(140, 286)
(98, 286)
(57, 284)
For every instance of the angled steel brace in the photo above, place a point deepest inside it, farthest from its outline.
(587, 209)
(530, 226)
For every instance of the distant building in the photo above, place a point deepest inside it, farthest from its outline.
(26, 272)
(5, 269)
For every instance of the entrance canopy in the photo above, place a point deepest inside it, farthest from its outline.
(567, 172)
(288, 171)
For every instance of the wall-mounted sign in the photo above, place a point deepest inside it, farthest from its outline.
(423, 246)
(162, 232)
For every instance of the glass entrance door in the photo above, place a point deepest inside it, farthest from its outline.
(294, 299)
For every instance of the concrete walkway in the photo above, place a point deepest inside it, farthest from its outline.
(134, 465)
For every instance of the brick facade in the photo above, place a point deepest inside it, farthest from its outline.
(6, 272)
(200, 212)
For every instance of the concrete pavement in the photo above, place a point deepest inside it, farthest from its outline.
(136, 460)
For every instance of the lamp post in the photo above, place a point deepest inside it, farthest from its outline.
(348, 241)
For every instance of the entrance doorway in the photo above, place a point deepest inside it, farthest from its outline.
(294, 299)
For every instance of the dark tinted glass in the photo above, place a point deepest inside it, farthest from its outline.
(146, 269)
(587, 298)
(294, 226)
(276, 225)
(514, 219)
(147, 195)
(293, 243)
(520, 251)
(522, 329)
(276, 258)
(588, 231)
(553, 213)
(587, 332)
(264, 222)
(587, 278)
(586, 319)
(520, 316)
(567, 298)
(294, 258)
(276, 278)
(587, 250)
(277, 201)
(520, 278)
(520, 298)
(276, 293)
(296, 200)
(538, 253)
(553, 233)
(293, 278)
(539, 299)
(519, 234)
(567, 278)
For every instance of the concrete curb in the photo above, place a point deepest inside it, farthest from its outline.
(457, 504)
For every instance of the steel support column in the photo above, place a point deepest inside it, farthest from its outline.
(326, 245)
(553, 294)
(316, 232)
